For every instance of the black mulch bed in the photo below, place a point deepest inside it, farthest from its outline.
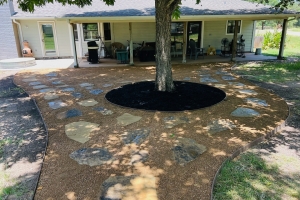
(188, 96)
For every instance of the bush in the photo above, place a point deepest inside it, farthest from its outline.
(271, 40)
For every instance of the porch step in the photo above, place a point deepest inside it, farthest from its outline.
(17, 63)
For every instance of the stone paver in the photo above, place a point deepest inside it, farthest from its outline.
(251, 92)
(236, 84)
(257, 101)
(68, 89)
(129, 187)
(29, 79)
(228, 78)
(96, 91)
(136, 136)
(80, 131)
(89, 87)
(77, 95)
(52, 78)
(88, 102)
(222, 72)
(50, 96)
(127, 119)
(57, 82)
(86, 84)
(51, 74)
(47, 90)
(62, 86)
(35, 83)
(40, 86)
(208, 79)
(69, 113)
(57, 104)
(244, 112)
(187, 150)
(92, 156)
(219, 125)
(139, 156)
(172, 121)
(104, 111)
(107, 85)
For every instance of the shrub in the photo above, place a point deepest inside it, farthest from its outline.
(271, 40)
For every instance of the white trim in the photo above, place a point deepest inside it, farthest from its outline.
(202, 33)
(54, 35)
(79, 31)
(233, 33)
(253, 36)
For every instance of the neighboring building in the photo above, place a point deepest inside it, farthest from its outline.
(49, 31)
(8, 44)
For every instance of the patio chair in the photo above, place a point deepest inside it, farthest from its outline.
(178, 48)
(116, 46)
(194, 50)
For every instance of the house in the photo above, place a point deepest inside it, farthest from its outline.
(8, 44)
(50, 29)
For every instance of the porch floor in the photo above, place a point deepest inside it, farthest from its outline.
(108, 62)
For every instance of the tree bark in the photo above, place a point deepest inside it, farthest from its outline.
(234, 44)
(163, 16)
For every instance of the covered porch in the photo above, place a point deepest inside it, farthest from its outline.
(108, 62)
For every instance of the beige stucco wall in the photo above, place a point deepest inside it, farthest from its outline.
(214, 31)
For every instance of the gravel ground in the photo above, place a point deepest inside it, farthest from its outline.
(23, 140)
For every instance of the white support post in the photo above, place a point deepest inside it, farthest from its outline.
(73, 45)
(131, 45)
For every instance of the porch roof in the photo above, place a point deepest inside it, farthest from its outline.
(144, 10)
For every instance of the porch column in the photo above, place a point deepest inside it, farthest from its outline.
(236, 26)
(73, 45)
(282, 41)
(131, 45)
(184, 42)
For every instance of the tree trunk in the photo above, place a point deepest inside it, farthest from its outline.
(163, 16)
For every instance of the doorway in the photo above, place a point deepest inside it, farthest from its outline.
(48, 38)
(194, 32)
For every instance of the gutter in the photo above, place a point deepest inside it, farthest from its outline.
(20, 33)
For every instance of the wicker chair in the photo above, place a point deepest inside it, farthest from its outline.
(116, 46)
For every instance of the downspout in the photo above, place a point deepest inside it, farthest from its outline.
(20, 33)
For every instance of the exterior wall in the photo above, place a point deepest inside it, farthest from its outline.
(214, 31)
(8, 47)
(30, 29)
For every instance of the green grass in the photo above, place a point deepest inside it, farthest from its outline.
(250, 177)
(49, 42)
(295, 29)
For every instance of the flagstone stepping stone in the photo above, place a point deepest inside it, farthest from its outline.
(51, 74)
(257, 101)
(86, 84)
(228, 78)
(222, 72)
(40, 86)
(69, 114)
(57, 82)
(68, 89)
(104, 111)
(29, 79)
(107, 85)
(171, 121)
(47, 90)
(96, 91)
(237, 84)
(89, 102)
(50, 96)
(247, 92)
(62, 86)
(127, 119)
(29, 76)
(89, 87)
(219, 125)
(139, 156)
(129, 187)
(244, 112)
(220, 85)
(208, 79)
(80, 131)
(52, 78)
(35, 83)
(187, 150)
(136, 136)
(91, 156)
(77, 95)
(187, 79)
(57, 104)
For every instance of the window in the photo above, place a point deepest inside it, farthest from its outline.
(230, 26)
(107, 33)
(90, 31)
(177, 32)
(75, 32)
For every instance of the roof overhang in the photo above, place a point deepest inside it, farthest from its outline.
(152, 18)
